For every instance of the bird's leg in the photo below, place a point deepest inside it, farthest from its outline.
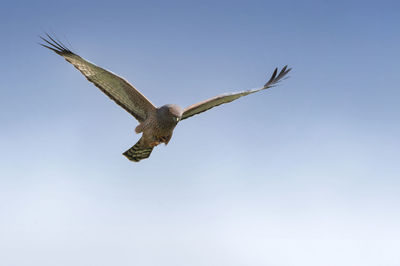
(164, 139)
(158, 141)
(154, 143)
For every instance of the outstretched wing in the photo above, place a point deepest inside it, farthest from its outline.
(115, 87)
(226, 98)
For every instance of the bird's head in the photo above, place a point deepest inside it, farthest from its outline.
(170, 113)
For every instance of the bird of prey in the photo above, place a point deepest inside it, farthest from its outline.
(156, 123)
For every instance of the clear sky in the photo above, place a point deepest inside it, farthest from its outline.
(306, 173)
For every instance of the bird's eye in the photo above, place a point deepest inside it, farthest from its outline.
(176, 119)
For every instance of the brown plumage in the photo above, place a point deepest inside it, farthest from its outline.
(155, 124)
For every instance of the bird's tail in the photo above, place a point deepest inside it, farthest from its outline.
(138, 152)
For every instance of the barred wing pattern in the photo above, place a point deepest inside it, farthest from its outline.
(226, 98)
(115, 87)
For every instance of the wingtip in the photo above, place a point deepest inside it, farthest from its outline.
(276, 78)
(51, 48)
(54, 45)
(272, 77)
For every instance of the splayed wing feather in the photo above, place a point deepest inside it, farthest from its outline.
(226, 98)
(115, 87)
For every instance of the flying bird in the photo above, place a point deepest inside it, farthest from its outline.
(155, 123)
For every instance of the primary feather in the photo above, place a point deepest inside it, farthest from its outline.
(115, 87)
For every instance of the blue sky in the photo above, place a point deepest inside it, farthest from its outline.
(306, 173)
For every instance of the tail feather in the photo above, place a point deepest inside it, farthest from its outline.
(138, 152)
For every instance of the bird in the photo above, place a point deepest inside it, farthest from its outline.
(155, 123)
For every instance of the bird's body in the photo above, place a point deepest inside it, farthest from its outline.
(156, 129)
(159, 126)
(155, 124)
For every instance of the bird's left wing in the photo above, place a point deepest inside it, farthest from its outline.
(115, 87)
(226, 98)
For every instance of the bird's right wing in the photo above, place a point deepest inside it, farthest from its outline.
(226, 98)
(115, 87)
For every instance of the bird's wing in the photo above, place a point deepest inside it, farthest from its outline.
(115, 87)
(226, 98)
